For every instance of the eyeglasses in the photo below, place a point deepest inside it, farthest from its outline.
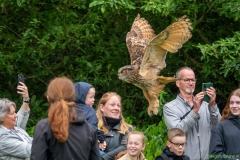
(187, 80)
(179, 144)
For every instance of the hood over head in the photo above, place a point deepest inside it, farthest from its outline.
(81, 89)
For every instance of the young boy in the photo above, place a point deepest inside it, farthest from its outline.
(85, 93)
(175, 146)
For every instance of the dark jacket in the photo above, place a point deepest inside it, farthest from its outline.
(81, 143)
(116, 142)
(171, 155)
(82, 89)
(224, 143)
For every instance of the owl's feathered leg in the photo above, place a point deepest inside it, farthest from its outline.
(151, 103)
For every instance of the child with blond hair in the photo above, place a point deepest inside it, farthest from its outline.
(135, 146)
(175, 146)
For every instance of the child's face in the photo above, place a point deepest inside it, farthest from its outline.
(234, 105)
(135, 145)
(90, 97)
(177, 145)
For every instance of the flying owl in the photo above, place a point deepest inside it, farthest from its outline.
(148, 53)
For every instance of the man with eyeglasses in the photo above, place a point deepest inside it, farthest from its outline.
(193, 115)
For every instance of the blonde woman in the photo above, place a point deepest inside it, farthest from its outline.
(113, 125)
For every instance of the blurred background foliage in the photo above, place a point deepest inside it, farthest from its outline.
(85, 41)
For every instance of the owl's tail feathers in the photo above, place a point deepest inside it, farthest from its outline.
(165, 80)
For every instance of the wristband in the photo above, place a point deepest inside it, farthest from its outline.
(26, 100)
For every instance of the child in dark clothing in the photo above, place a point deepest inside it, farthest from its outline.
(175, 146)
(85, 93)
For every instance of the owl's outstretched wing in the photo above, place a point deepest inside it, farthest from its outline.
(169, 40)
(137, 38)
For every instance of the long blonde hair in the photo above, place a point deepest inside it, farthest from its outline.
(124, 127)
(61, 95)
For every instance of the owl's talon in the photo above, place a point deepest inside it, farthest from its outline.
(153, 111)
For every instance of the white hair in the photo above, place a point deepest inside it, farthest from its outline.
(5, 108)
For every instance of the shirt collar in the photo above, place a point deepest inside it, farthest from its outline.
(5, 128)
(185, 102)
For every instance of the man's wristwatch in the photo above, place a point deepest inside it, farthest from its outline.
(26, 100)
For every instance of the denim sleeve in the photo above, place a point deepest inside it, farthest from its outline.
(22, 118)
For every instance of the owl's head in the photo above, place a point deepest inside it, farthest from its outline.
(128, 73)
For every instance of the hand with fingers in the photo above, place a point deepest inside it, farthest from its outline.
(23, 90)
(102, 146)
(211, 92)
(197, 101)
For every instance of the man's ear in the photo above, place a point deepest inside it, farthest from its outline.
(177, 83)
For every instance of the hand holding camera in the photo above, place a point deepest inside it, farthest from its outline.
(22, 88)
(209, 93)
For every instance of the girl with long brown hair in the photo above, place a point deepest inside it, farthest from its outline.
(224, 143)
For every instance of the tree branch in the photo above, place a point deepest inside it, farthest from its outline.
(202, 36)
(196, 63)
(11, 30)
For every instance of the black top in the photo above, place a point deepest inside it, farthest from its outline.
(81, 143)
(168, 155)
(224, 143)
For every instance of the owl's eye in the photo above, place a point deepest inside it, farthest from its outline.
(122, 72)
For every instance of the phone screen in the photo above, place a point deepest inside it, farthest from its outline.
(204, 87)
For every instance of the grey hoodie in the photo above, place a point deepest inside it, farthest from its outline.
(197, 127)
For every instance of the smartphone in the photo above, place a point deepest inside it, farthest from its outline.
(20, 79)
(204, 87)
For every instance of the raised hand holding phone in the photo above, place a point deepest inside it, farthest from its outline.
(20, 79)
(204, 88)
(22, 88)
(211, 93)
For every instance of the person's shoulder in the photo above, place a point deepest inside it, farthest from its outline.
(172, 102)
(43, 121)
(42, 124)
(223, 124)
(185, 157)
(161, 157)
(173, 105)
(86, 108)
(124, 156)
(2, 130)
